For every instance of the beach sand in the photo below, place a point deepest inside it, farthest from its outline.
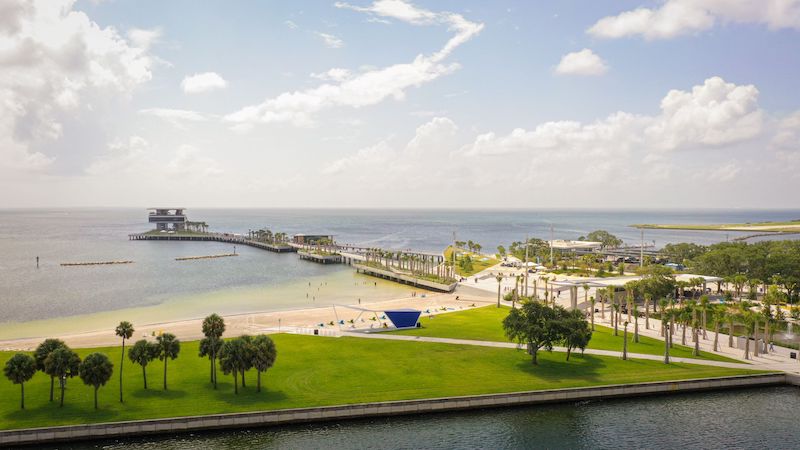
(268, 322)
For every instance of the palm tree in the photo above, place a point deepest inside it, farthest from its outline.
(95, 371)
(749, 325)
(704, 310)
(125, 331)
(213, 329)
(210, 347)
(19, 369)
(755, 334)
(647, 299)
(730, 317)
(499, 279)
(696, 351)
(663, 304)
(168, 348)
(62, 363)
(586, 294)
(613, 314)
(142, 353)
(667, 343)
(263, 357)
(593, 301)
(231, 359)
(684, 318)
(625, 342)
(42, 352)
(717, 316)
(635, 323)
(247, 355)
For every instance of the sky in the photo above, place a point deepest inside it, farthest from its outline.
(392, 103)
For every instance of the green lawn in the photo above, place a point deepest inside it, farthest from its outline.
(312, 371)
(485, 324)
(477, 264)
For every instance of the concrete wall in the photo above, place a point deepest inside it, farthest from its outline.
(301, 415)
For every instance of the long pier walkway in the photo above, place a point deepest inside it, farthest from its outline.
(215, 237)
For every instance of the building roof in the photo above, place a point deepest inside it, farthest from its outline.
(568, 245)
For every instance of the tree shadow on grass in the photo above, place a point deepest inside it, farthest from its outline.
(268, 398)
(169, 394)
(52, 414)
(554, 368)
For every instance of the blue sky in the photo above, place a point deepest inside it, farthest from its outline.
(535, 104)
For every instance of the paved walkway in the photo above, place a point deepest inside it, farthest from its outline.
(588, 351)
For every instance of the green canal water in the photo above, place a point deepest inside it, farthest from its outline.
(764, 418)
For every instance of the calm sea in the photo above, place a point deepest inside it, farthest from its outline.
(258, 280)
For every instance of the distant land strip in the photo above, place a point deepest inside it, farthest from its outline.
(767, 227)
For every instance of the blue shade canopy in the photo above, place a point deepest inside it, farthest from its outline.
(403, 318)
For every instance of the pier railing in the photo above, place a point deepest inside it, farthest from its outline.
(214, 237)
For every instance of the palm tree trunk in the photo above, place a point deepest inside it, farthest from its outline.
(730, 333)
(705, 335)
(22, 398)
(95, 396)
(766, 336)
(747, 348)
(52, 385)
(165, 372)
(62, 393)
(625, 343)
(755, 339)
(144, 374)
(214, 369)
(696, 351)
(636, 330)
(683, 334)
(122, 360)
(592, 318)
(646, 315)
(569, 350)
(666, 344)
(716, 336)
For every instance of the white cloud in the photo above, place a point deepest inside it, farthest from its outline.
(711, 115)
(144, 38)
(177, 117)
(203, 82)
(335, 74)
(584, 62)
(330, 40)
(724, 173)
(679, 17)
(56, 62)
(369, 87)
(291, 25)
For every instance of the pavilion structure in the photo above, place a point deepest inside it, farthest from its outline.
(168, 219)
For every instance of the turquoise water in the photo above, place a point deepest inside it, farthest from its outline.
(747, 419)
(66, 235)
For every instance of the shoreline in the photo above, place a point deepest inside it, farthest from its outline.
(264, 321)
(46, 435)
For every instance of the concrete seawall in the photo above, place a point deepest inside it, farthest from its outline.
(32, 436)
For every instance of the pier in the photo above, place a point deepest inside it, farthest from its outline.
(95, 263)
(212, 237)
(191, 258)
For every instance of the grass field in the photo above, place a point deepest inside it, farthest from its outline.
(786, 227)
(477, 263)
(314, 371)
(485, 324)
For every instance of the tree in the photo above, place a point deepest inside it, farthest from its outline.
(42, 352)
(501, 251)
(593, 301)
(263, 356)
(210, 347)
(534, 325)
(625, 341)
(213, 329)
(682, 253)
(499, 279)
(19, 369)
(749, 325)
(717, 316)
(575, 331)
(605, 238)
(247, 356)
(665, 315)
(636, 323)
(125, 331)
(62, 363)
(168, 348)
(704, 310)
(95, 371)
(231, 359)
(142, 353)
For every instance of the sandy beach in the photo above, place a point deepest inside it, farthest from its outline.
(270, 321)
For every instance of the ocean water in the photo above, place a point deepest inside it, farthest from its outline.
(764, 418)
(159, 288)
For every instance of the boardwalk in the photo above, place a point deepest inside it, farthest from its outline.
(213, 237)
